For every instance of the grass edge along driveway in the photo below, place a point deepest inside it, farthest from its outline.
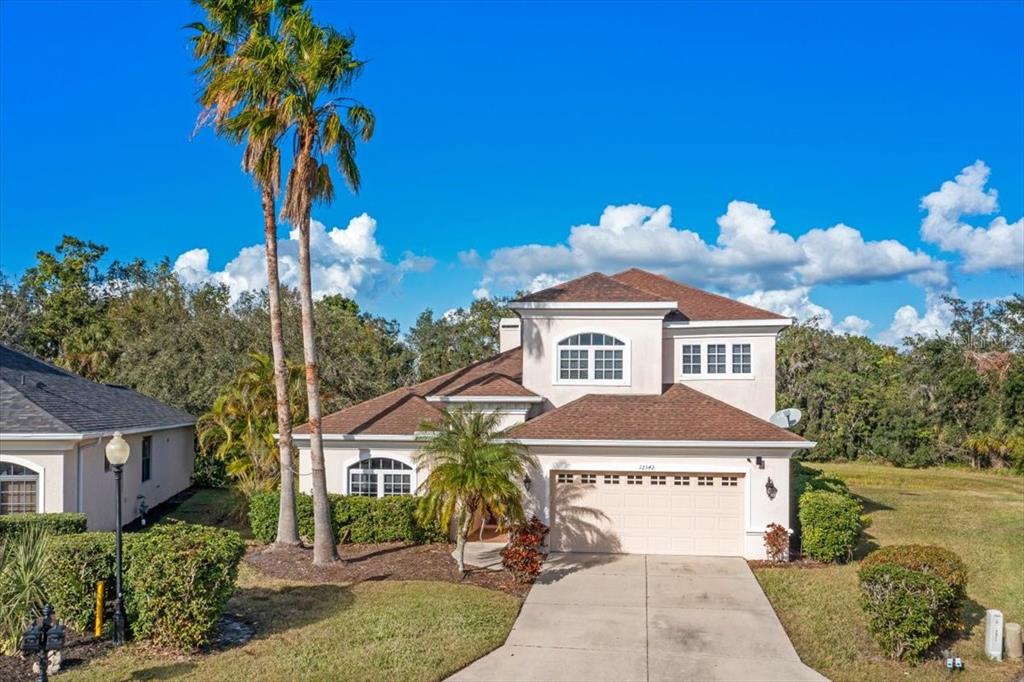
(410, 630)
(978, 515)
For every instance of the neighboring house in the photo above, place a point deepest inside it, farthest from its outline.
(54, 426)
(644, 401)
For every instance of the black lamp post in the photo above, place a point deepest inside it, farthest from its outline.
(117, 454)
(41, 638)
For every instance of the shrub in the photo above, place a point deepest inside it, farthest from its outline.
(77, 563)
(905, 608)
(359, 519)
(263, 509)
(776, 542)
(178, 579)
(937, 561)
(24, 565)
(830, 524)
(54, 524)
(522, 556)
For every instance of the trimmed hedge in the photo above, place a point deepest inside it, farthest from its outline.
(77, 563)
(178, 580)
(907, 610)
(830, 525)
(65, 523)
(931, 559)
(354, 518)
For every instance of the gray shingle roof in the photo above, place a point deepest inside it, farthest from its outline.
(36, 397)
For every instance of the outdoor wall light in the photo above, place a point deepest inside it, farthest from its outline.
(759, 461)
(770, 488)
(527, 482)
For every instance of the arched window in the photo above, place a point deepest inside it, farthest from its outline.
(592, 357)
(379, 477)
(19, 489)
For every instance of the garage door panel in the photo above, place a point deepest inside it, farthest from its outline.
(649, 513)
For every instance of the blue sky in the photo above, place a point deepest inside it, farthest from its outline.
(506, 125)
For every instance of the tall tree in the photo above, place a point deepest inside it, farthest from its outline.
(320, 65)
(242, 90)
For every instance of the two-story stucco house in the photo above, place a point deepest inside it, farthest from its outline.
(644, 401)
(54, 426)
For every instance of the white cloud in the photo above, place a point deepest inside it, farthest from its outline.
(346, 261)
(998, 246)
(481, 292)
(797, 303)
(840, 254)
(749, 253)
(906, 321)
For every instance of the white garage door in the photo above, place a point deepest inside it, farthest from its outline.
(643, 513)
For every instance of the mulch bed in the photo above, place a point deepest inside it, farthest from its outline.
(78, 650)
(385, 561)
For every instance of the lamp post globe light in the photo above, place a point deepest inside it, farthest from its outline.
(117, 451)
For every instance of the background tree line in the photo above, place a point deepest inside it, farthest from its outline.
(955, 398)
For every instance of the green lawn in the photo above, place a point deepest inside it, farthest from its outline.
(222, 507)
(373, 630)
(980, 516)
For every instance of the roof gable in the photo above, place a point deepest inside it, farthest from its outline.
(401, 411)
(692, 303)
(37, 397)
(593, 288)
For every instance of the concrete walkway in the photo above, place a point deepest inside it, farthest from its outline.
(635, 617)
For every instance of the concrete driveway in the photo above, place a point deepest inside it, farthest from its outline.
(636, 617)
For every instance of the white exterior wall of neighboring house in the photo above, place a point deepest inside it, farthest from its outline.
(73, 479)
(753, 392)
(639, 329)
(758, 509)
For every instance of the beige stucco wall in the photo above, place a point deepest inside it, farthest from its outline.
(338, 456)
(759, 510)
(754, 392)
(74, 479)
(641, 330)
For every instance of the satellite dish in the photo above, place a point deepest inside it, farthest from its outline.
(787, 418)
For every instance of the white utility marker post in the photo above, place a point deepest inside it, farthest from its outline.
(994, 634)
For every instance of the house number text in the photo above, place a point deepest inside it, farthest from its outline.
(646, 467)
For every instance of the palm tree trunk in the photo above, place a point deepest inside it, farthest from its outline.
(461, 536)
(287, 526)
(324, 550)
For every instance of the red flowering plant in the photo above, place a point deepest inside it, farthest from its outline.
(776, 542)
(522, 556)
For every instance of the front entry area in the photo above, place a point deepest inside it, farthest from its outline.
(647, 513)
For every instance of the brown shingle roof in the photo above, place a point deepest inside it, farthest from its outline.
(680, 413)
(596, 288)
(693, 303)
(401, 411)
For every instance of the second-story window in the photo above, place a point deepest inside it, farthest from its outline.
(691, 358)
(716, 358)
(741, 358)
(591, 357)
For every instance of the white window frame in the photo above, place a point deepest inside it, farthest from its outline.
(683, 352)
(703, 343)
(626, 379)
(750, 358)
(38, 469)
(378, 474)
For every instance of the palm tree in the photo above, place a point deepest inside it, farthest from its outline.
(240, 95)
(472, 470)
(239, 427)
(320, 64)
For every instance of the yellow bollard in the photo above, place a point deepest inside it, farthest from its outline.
(99, 609)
